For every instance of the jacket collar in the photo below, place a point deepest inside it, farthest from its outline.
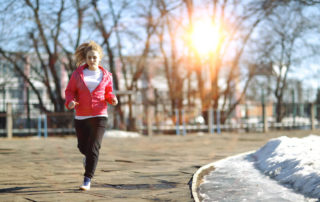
(82, 67)
(106, 74)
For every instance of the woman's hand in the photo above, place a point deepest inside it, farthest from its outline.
(72, 104)
(114, 101)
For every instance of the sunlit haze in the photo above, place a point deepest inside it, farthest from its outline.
(205, 37)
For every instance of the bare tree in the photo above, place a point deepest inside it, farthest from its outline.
(151, 22)
(302, 2)
(113, 28)
(49, 63)
(68, 49)
(287, 27)
(107, 28)
(16, 59)
(219, 63)
(172, 61)
(42, 40)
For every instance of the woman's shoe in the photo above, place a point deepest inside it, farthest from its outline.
(86, 184)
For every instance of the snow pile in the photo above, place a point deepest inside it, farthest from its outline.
(121, 134)
(236, 178)
(292, 161)
(285, 169)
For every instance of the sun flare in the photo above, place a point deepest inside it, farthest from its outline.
(205, 37)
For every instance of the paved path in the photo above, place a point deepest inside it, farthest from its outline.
(154, 168)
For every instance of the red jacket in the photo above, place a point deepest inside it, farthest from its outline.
(90, 104)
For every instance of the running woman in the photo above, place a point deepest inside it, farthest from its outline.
(88, 91)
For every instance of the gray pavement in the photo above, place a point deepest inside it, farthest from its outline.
(154, 168)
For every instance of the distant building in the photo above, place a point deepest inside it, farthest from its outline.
(16, 90)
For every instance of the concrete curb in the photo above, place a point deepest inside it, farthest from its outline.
(197, 180)
(205, 170)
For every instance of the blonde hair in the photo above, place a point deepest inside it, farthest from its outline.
(82, 50)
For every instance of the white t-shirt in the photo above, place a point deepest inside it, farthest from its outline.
(92, 80)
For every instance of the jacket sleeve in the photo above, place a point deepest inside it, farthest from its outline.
(109, 90)
(71, 90)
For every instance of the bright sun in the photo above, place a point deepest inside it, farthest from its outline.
(205, 37)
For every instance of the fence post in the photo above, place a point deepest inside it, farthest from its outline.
(265, 121)
(210, 121)
(149, 121)
(312, 117)
(45, 126)
(177, 122)
(294, 111)
(264, 114)
(301, 109)
(39, 125)
(184, 132)
(9, 120)
(218, 122)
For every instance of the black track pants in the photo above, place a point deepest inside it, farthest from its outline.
(90, 133)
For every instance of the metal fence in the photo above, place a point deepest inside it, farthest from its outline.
(151, 119)
(253, 117)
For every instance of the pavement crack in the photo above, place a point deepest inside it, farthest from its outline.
(123, 161)
(29, 199)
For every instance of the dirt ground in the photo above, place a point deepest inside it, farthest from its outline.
(154, 168)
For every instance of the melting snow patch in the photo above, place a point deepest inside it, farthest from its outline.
(292, 161)
(121, 134)
(285, 169)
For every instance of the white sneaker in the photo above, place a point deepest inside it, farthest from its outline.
(85, 186)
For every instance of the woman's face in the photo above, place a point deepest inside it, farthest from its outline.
(93, 59)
